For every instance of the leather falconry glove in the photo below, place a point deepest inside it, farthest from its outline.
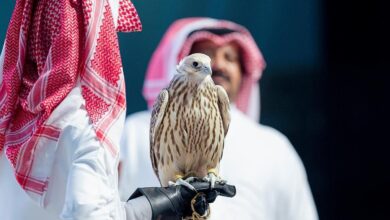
(176, 202)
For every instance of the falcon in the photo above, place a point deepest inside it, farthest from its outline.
(189, 122)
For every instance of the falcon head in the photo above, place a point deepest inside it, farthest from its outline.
(197, 63)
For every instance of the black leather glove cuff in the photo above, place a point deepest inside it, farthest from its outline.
(175, 202)
(167, 203)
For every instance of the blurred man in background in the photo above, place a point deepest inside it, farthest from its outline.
(269, 175)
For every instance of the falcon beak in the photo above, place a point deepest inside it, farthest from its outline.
(207, 70)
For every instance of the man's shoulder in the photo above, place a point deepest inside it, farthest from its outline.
(262, 139)
(272, 134)
(137, 123)
(139, 117)
(257, 130)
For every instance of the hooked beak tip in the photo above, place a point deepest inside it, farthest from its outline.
(208, 70)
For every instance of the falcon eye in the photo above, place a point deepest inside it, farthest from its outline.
(195, 64)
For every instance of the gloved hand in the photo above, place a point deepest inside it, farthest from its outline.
(174, 202)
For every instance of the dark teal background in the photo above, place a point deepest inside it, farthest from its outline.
(325, 86)
(289, 33)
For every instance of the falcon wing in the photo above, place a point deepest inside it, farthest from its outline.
(224, 107)
(158, 113)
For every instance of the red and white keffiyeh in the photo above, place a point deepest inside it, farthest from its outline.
(50, 46)
(177, 43)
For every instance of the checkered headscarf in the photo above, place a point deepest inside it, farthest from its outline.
(50, 46)
(177, 43)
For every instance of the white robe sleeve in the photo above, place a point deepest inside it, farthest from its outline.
(91, 188)
(138, 208)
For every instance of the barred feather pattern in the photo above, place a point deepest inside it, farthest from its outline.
(187, 131)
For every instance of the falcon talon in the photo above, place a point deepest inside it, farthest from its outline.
(184, 183)
(221, 181)
(190, 179)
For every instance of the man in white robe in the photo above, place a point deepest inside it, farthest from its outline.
(269, 176)
(62, 110)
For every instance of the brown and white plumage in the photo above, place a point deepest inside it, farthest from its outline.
(189, 122)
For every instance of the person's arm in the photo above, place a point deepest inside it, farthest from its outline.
(91, 187)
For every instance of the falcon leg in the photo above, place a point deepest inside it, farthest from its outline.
(180, 181)
(213, 178)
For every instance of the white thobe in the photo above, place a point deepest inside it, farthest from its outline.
(268, 174)
(83, 183)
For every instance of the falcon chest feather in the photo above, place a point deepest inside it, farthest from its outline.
(194, 132)
(195, 116)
